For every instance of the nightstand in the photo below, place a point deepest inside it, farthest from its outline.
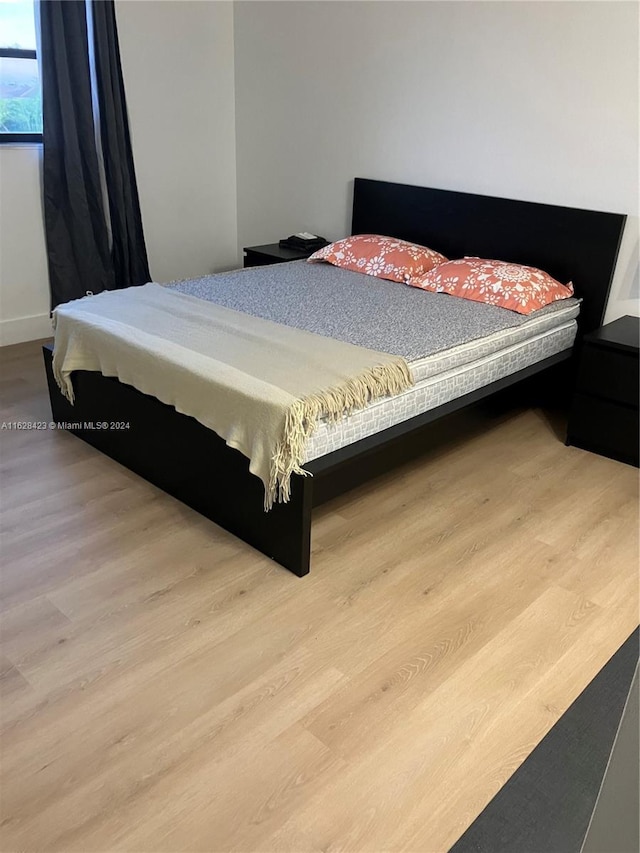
(272, 253)
(604, 410)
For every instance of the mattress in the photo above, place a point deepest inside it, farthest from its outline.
(453, 346)
(366, 311)
(479, 348)
(455, 380)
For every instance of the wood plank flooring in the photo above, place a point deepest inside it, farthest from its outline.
(167, 688)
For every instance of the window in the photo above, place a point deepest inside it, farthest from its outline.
(20, 98)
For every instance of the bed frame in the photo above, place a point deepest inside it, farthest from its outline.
(190, 462)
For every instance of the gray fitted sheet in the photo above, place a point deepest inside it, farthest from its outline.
(357, 308)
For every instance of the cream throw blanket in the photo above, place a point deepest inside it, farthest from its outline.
(259, 385)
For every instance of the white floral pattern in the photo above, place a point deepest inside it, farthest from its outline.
(382, 257)
(507, 285)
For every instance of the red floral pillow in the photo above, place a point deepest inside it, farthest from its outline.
(383, 257)
(513, 286)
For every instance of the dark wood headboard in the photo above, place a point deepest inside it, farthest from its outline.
(570, 244)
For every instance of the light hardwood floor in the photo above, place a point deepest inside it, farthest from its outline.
(167, 688)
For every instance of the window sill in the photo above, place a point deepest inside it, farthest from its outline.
(19, 140)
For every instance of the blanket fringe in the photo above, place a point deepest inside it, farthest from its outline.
(63, 382)
(301, 419)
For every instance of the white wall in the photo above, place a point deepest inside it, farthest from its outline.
(177, 60)
(24, 285)
(531, 100)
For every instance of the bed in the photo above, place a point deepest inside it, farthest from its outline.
(190, 462)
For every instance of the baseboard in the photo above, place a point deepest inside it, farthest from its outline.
(22, 329)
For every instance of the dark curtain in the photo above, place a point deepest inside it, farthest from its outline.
(76, 231)
(128, 250)
(81, 255)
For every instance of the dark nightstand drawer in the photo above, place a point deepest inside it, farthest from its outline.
(604, 427)
(257, 259)
(273, 253)
(610, 374)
